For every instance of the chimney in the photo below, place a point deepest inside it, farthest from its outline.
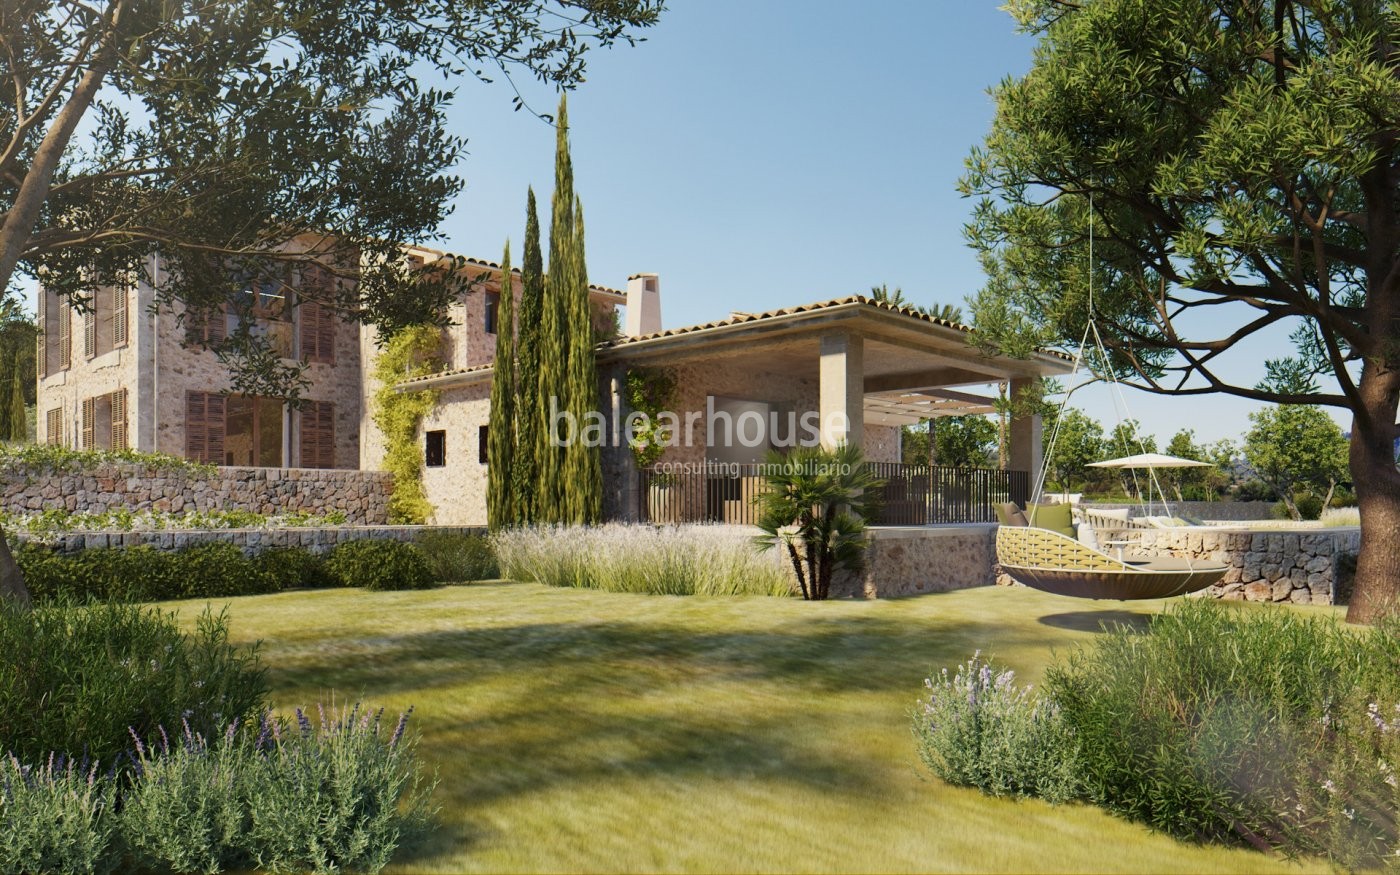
(643, 304)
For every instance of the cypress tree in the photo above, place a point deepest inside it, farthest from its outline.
(500, 447)
(582, 465)
(6, 377)
(529, 424)
(19, 423)
(553, 496)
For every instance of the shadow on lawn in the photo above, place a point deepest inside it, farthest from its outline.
(1097, 621)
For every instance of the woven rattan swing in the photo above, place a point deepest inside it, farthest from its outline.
(1056, 563)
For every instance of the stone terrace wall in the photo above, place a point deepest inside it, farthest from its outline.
(362, 495)
(1233, 511)
(1303, 567)
(903, 561)
(316, 540)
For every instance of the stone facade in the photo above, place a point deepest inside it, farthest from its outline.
(361, 495)
(157, 368)
(457, 489)
(1312, 566)
(316, 540)
(912, 561)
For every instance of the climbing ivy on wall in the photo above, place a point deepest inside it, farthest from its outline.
(412, 352)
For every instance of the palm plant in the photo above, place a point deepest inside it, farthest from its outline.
(946, 312)
(815, 503)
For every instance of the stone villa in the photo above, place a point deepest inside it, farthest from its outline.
(125, 376)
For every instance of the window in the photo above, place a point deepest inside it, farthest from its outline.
(435, 452)
(493, 303)
(482, 439)
(104, 421)
(234, 429)
(318, 434)
(53, 427)
(205, 327)
(253, 431)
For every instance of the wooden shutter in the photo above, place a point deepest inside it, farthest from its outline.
(89, 422)
(53, 427)
(41, 352)
(119, 317)
(318, 434)
(204, 427)
(316, 316)
(65, 336)
(317, 333)
(90, 329)
(206, 328)
(119, 430)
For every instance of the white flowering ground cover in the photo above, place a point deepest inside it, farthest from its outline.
(577, 730)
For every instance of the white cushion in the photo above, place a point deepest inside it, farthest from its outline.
(1087, 537)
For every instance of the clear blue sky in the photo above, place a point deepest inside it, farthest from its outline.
(759, 154)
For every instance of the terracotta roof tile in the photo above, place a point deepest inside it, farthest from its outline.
(481, 262)
(740, 318)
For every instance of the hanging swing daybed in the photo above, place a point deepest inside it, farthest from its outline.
(1056, 563)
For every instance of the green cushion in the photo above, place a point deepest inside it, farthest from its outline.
(1055, 517)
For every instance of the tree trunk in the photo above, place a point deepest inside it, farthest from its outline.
(797, 569)
(11, 578)
(1377, 482)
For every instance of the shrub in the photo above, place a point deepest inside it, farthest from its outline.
(456, 556)
(78, 679)
(184, 808)
(292, 568)
(1261, 727)
(56, 817)
(334, 795)
(379, 565)
(142, 573)
(1309, 506)
(331, 796)
(674, 560)
(978, 729)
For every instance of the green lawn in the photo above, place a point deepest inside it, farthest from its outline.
(585, 731)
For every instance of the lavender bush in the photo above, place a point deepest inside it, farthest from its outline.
(337, 793)
(56, 817)
(672, 560)
(977, 728)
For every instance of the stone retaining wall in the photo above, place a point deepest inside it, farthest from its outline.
(903, 561)
(316, 540)
(1302, 567)
(1233, 511)
(363, 496)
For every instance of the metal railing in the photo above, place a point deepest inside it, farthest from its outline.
(912, 495)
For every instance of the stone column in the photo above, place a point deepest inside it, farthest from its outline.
(1025, 452)
(842, 389)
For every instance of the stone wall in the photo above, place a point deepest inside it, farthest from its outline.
(362, 496)
(910, 561)
(316, 540)
(1233, 511)
(1302, 567)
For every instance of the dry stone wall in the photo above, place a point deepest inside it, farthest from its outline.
(363, 496)
(1306, 567)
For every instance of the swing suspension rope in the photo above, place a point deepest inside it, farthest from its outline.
(1104, 373)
